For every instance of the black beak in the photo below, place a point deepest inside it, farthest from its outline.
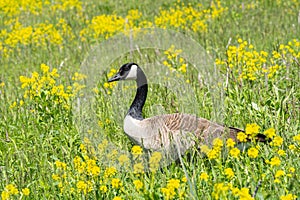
(116, 77)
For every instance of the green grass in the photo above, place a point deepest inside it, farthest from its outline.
(37, 134)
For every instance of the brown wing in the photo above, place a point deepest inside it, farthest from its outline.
(204, 130)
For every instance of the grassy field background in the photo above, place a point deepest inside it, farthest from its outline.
(44, 154)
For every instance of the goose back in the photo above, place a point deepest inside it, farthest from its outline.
(181, 131)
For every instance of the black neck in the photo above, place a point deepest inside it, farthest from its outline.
(138, 103)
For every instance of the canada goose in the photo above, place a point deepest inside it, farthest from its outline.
(169, 131)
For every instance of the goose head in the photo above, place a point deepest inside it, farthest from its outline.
(130, 71)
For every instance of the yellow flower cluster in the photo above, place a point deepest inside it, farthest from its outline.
(10, 191)
(136, 151)
(87, 174)
(172, 190)
(174, 61)
(229, 173)
(252, 152)
(288, 197)
(296, 138)
(123, 160)
(44, 88)
(204, 176)
(110, 86)
(275, 161)
(253, 129)
(138, 184)
(184, 17)
(64, 5)
(222, 190)
(154, 161)
(38, 36)
(108, 25)
(233, 151)
(189, 17)
(84, 187)
(246, 63)
(14, 8)
(215, 151)
(270, 133)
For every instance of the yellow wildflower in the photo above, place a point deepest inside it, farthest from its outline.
(217, 143)
(117, 198)
(123, 159)
(220, 190)
(83, 148)
(288, 197)
(138, 168)
(235, 191)
(13, 105)
(279, 173)
(281, 152)
(173, 183)
(11, 189)
(230, 143)
(55, 177)
(136, 150)
(110, 171)
(154, 161)
(45, 68)
(229, 173)
(252, 129)
(277, 141)
(184, 179)
(204, 149)
(234, 152)
(77, 76)
(25, 191)
(292, 169)
(244, 194)
(213, 154)
(116, 183)
(81, 186)
(292, 147)
(5, 195)
(296, 138)
(103, 188)
(60, 165)
(169, 193)
(275, 161)
(277, 180)
(252, 152)
(204, 176)
(138, 184)
(242, 137)
(270, 133)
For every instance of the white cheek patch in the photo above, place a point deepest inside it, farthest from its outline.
(132, 75)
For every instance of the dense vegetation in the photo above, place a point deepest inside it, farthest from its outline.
(49, 150)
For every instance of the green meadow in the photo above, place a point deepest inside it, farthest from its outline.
(49, 150)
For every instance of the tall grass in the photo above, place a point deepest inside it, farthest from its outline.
(43, 152)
